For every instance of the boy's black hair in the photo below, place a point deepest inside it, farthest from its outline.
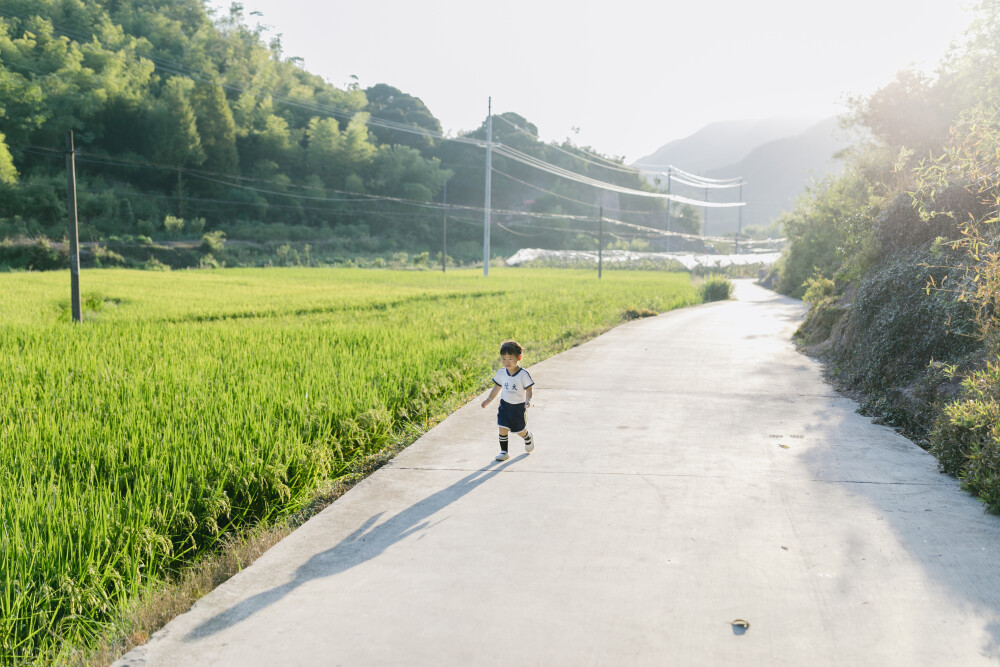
(511, 347)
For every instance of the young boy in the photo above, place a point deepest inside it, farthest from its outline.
(515, 384)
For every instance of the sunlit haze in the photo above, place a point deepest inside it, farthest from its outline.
(623, 77)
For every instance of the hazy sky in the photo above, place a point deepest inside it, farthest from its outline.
(630, 74)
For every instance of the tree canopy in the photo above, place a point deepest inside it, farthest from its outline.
(177, 111)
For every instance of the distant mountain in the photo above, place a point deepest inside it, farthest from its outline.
(777, 172)
(775, 169)
(722, 143)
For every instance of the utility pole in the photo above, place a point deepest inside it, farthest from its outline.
(600, 242)
(704, 217)
(669, 174)
(739, 225)
(488, 199)
(444, 229)
(74, 230)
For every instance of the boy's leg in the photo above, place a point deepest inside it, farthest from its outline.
(529, 442)
(503, 444)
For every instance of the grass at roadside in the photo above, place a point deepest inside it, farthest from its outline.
(192, 406)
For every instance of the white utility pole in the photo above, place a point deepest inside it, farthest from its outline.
(739, 228)
(489, 173)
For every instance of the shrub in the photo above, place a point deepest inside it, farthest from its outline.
(105, 257)
(287, 255)
(819, 322)
(153, 264)
(213, 243)
(145, 228)
(173, 225)
(716, 288)
(354, 183)
(44, 257)
(818, 289)
(900, 327)
(966, 437)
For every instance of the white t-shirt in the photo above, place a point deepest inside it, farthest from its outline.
(513, 386)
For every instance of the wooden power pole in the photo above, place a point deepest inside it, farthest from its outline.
(74, 230)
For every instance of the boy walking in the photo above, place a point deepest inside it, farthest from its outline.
(514, 384)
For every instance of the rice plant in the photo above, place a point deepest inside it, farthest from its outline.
(189, 404)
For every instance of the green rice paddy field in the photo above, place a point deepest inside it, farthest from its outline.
(191, 404)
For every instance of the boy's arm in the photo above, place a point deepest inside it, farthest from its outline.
(493, 394)
(527, 397)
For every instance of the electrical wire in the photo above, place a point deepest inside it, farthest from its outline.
(609, 164)
(711, 186)
(704, 179)
(561, 196)
(364, 198)
(215, 177)
(333, 111)
(509, 152)
(678, 174)
(518, 156)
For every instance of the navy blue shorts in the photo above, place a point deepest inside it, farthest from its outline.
(511, 415)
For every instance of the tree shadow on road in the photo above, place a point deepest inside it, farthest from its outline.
(365, 543)
(940, 529)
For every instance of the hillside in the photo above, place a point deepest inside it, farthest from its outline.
(186, 123)
(899, 258)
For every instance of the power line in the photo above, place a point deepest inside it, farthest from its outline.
(162, 65)
(705, 179)
(703, 185)
(356, 197)
(700, 181)
(378, 199)
(609, 164)
(510, 152)
(561, 196)
(518, 156)
(208, 176)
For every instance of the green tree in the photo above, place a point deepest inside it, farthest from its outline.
(334, 154)
(358, 150)
(685, 218)
(178, 142)
(324, 148)
(391, 104)
(8, 172)
(817, 230)
(216, 128)
(908, 113)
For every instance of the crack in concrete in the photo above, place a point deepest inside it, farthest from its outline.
(664, 474)
(712, 394)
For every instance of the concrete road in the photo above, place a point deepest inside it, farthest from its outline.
(690, 470)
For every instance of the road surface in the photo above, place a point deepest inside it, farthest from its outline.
(690, 470)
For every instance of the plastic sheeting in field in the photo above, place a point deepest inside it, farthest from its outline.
(690, 261)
